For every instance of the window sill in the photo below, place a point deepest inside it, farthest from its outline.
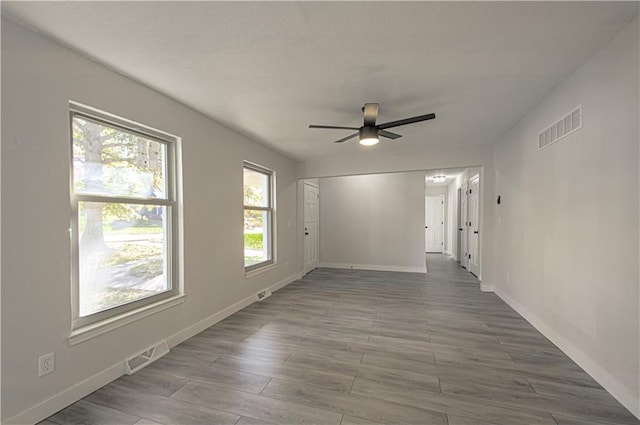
(93, 330)
(254, 272)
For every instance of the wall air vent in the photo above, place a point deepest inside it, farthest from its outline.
(560, 129)
(145, 358)
(263, 294)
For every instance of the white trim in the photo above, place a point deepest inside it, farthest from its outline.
(478, 225)
(66, 397)
(314, 265)
(101, 115)
(375, 267)
(270, 209)
(95, 329)
(617, 389)
(148, 355)
(486, 287)
(442, 226)
(285, 282)
(207, 322)
(263, 269)
(171, 237)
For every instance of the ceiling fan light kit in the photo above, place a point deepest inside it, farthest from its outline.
(370, 132)
(368, 136)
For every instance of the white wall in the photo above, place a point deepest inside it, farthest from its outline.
(372, 161)
(479, 158)
(373, 221)
(39, 77)
(566, 251)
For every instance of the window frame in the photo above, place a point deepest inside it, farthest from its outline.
(170, 202)
(269, 209)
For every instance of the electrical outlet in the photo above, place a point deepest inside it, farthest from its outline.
(46, 364)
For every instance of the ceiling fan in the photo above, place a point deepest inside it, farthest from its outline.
(368, 134)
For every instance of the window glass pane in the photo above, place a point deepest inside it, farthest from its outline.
(257, 246)
(112, 162)
(123, 254)
(256, 188)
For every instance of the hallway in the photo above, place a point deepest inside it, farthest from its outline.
(362, 347)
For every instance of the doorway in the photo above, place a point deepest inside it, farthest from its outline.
(434, 223)
(474, 223)
(464, 233)
(311, 226)
(459, 251)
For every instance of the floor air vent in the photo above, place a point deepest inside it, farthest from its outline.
(263, 294)
(562, 128)
(148, 356)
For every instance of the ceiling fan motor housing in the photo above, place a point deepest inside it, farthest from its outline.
(368, 133)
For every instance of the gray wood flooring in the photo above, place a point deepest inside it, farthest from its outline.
(357, 347)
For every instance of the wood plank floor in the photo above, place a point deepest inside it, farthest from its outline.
(357, 347)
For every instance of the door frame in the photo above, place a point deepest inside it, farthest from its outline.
(442, 226)
(305, 268)
(464, 215)
(459, 226)
(474, 228)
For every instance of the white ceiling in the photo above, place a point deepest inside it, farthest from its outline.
(449, 173)
(269, 69)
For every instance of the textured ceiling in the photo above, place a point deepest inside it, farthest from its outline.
(268, 69)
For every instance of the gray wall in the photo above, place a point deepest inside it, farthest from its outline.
(39, 77)
(566, 232)
(373, 221)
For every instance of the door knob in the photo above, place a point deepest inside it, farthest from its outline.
(460, 230)
(475, 231)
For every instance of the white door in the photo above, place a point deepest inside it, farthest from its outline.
(311, 227)
(459, 227)
(464, 240)
(474, 223)
(434, 227)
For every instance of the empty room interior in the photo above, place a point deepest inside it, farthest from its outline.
(346, 213)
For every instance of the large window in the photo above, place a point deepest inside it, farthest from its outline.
(258, 216)
(124, 216)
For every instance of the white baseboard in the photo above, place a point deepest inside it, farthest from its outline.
(64, 398)
(285, 282)
(486, 287)
(375, 267)
(205, 323)
(618, 390)
(61, 400)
